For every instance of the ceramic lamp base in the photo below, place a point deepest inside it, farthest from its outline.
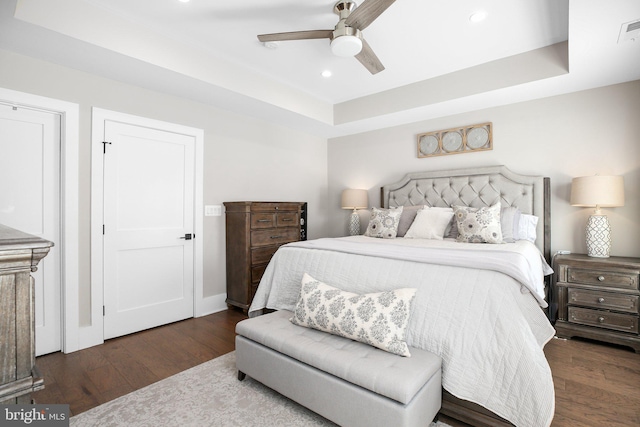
(354, 224)
(598, 236)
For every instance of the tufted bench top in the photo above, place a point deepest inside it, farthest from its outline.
(396, 377)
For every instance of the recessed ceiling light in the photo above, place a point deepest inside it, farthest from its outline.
(326, 74)
(478, 16)
(183, 1)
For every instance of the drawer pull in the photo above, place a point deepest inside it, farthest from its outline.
(275, 237)
(286, 219)
(601, 278)
(600, 300)
(600, 319)
(264, 220)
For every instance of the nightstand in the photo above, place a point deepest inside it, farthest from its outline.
(598, 298)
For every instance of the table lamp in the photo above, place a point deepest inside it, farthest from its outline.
(601, 191)
(354, 199)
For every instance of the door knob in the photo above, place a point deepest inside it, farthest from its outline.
(188, 236)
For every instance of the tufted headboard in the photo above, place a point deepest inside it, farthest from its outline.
(477, 187)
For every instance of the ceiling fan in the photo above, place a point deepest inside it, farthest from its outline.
(346, 38)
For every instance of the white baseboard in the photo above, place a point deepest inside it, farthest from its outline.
(89, 336)
(212, 304)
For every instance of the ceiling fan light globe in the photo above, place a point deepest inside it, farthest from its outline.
(346, 46)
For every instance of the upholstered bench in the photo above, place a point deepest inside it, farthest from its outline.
(347, 382)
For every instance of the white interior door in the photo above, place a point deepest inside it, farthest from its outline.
(30, 202)
(148, 212)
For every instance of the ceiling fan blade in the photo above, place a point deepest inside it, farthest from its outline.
(367, 12)
(296, 35)
(369, 59)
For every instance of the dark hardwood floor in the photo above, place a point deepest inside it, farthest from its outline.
(93, 376)
(596, 384)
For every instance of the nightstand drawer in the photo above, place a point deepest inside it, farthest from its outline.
(604, 319)
(606, 300)
(610, 279)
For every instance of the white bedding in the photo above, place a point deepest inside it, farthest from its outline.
(521, 260)
(488, 332)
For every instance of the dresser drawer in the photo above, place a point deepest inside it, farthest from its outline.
(287, 219)
(263, 220)
(257, 272)
(610, 279)
(606, 300)
(263, 255)
(604, 319)
(274, 207)
(274, 236)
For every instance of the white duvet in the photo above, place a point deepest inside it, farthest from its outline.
(480, 314)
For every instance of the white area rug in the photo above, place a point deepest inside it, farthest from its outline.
(206, 395)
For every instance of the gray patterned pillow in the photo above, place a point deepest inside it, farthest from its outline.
(378, 319)
(384, 223)
(478, 225)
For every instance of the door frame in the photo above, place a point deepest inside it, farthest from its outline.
(94, 334)
(69, 243)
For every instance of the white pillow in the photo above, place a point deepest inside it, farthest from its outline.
(430, 223)
(527, 228)
(509, 223)
(378, 319)
(406, 219)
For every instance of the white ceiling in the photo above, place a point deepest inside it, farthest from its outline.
(415, 39)
(208, 51)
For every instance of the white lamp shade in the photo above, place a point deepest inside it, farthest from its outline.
(346, 45)
(355, 199)
(598, 190)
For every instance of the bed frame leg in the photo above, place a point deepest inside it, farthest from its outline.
(241, 375)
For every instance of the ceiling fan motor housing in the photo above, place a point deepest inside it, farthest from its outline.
(344, 7)
(345, 41)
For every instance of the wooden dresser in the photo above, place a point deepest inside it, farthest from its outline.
(254, 231)
(19, 256)
(598, 298)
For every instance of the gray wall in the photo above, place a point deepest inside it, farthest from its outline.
(245, 159)
(584, 133)
(562, 137)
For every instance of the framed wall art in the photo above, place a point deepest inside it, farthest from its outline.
(456, 141)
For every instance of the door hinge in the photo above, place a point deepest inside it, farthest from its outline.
(104, 146)
(103, 229)
(104, 311)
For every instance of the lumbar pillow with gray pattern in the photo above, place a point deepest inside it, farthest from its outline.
(378, 319)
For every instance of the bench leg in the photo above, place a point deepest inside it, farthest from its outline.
(241, 375)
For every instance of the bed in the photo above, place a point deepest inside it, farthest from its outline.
(481, 307)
